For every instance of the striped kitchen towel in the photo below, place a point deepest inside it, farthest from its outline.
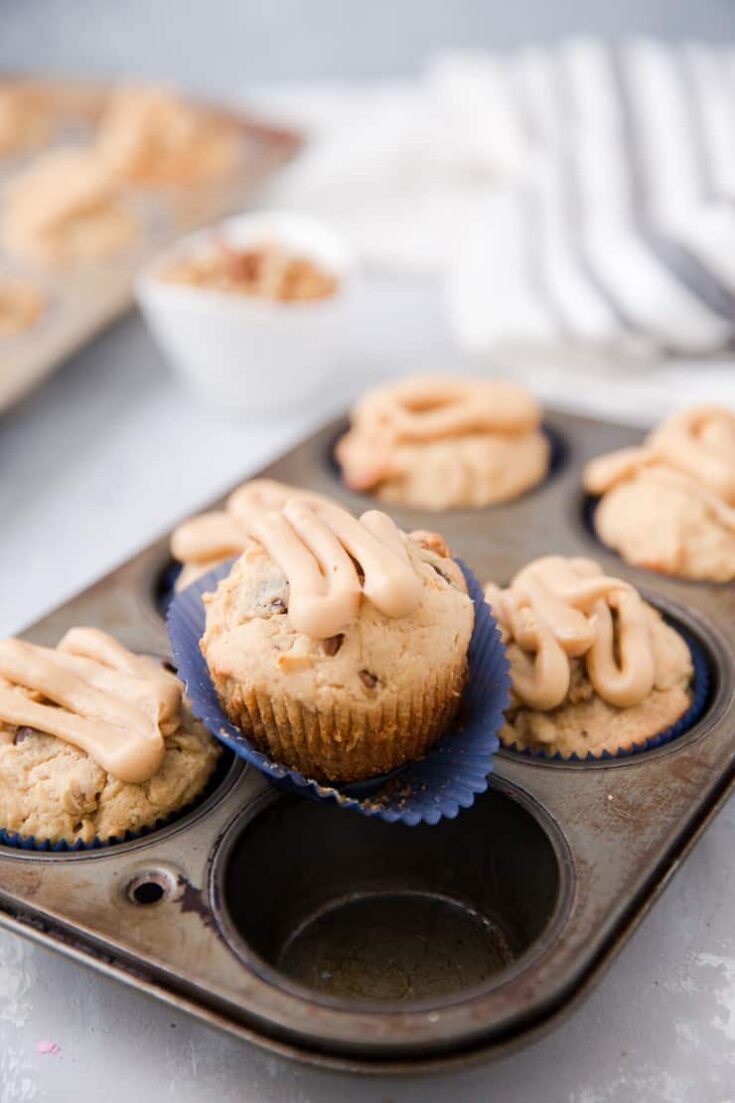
(620, 232)
(575, 195)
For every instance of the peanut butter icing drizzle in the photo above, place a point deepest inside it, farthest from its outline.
(436, 407)
(331, 560)
(697, 446)
(211, 537)
(559, 609)
(94, 694)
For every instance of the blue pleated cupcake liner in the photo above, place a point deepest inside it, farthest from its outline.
(165, 588)
(46, 846)
(453, 772)
(701, 685)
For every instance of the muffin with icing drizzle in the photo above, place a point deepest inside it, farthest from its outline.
(204, 541)
(337, 645)
(95, 741)
(153, 137)
(594, 667)
(439, 442)
(670, 504)
(66, 208)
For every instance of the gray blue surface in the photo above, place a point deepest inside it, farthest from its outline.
(226, 44)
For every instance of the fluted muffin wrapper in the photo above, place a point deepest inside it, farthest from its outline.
(456, 766)
(48, 846)
(700, 687)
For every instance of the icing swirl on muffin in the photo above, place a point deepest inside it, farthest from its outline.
(205, 540)
(559, 609)
(669, 505)
(434, 407)
(698, 444)
(439, 441)
(331, 560)
(93, 693)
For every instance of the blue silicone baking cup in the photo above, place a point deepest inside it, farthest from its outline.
(701, 688)
(455, 769)
(31, 843)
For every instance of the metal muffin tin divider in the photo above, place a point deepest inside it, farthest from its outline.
(353, 943)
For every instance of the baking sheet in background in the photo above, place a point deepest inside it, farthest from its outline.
(82, 300)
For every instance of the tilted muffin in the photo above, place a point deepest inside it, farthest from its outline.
(670, 504)
(594, 668)
(204, 541)
(94, 741)
(338, 646)
(65, 208)
(438, 442)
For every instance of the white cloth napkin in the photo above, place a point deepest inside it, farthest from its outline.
(575, 195)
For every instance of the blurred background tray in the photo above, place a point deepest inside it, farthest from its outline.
(82, 300)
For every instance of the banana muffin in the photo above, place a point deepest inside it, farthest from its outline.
(594, 667)
(95, 741)
(439, 442)
(153, 137)
(670, 504)
(337, 645)
(65, 208)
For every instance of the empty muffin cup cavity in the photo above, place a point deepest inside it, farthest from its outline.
(352, 909)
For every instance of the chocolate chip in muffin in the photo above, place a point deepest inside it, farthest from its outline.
(20, 735)
(368, 680)
(332, 645)
(441, 573)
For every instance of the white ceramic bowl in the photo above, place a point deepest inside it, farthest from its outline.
(246, 354)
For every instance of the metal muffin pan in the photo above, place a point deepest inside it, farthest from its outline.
(349, 942)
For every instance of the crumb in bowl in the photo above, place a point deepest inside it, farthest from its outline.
(21, 304)
(266, 271)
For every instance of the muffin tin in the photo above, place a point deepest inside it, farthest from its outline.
(369, 946)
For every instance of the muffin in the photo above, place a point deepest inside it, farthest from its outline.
(204, 541)
(439, 442)
(150, 136)
(670, 504)
(26, 115)
(21, 305)
(94, 741)
(594, 667)
(338, 646)
(65, 208)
